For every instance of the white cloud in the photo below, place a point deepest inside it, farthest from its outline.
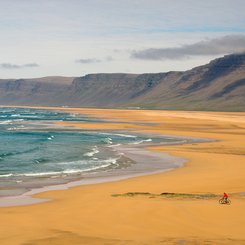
(88, 61)
(218, 46)
(15, 66)
(55, 33)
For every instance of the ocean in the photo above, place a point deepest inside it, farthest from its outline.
(34, 149)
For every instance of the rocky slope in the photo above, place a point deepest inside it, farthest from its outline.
(219, 85)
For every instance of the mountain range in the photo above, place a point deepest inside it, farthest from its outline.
(216, 86)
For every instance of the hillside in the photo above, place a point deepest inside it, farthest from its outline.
(219, 85)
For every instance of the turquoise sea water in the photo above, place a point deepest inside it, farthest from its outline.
(32, 146)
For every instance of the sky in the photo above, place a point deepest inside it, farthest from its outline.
(78, 37)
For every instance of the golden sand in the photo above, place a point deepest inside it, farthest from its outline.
(91, 215)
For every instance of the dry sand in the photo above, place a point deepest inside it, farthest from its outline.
(91, 215)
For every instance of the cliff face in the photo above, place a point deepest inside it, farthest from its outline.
(40, 91)
(114, 90)
(219, 85)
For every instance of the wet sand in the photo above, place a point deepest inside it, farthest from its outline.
(142, 162)
(91, 214)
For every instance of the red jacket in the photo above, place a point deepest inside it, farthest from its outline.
(225, 195)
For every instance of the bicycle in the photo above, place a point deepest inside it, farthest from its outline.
(225, 201)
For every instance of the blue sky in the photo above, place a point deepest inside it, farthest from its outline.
(77, 37)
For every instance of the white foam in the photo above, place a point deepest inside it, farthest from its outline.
(122, 135)
(106, 162)
(126, 135)
(92, 153)
(5, 175)
(141, 141)
(30, 116)
(37, 174)
(114, 145)
(108, 140)
(70, 163)
(18, 120)
(14, 128)
(72, 171)
(6, 122)
(11, 121)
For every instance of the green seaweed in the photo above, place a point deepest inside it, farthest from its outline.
(132, 194)
(167, 195)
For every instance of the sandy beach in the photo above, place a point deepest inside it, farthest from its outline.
(102, 214)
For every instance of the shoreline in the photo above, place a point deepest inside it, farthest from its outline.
(146, 162)
(89, 214)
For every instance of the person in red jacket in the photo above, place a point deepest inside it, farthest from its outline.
(225, 196)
